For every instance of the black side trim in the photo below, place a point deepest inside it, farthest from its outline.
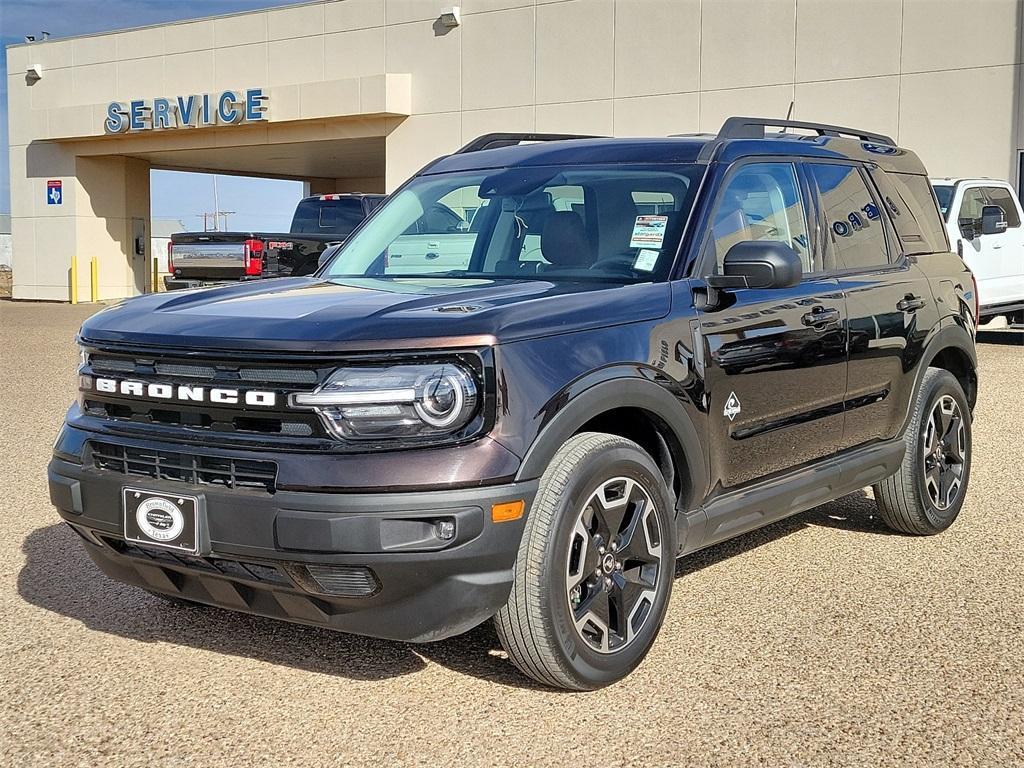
(754, 506)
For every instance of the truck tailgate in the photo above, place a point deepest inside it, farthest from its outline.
(208, 259)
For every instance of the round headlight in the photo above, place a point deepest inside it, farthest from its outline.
(414, 402)
(443, 398)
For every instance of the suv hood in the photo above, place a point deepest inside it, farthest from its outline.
(315, 315)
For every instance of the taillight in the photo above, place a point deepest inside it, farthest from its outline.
(170, 257)
(254, 257)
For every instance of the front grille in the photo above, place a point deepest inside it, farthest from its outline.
(235, 424)
(194, 469)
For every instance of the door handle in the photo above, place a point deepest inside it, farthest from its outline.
(910, 303)
(820, 316)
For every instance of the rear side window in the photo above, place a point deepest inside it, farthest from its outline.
(912, 208)
(1001, 196)
(328, 217)
(855, 236)
(944, 194)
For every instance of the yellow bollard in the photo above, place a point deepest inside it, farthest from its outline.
(74, 279)
(94, 281)
(156, 274)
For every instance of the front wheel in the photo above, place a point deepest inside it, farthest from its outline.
(926, 495)
(595, 567)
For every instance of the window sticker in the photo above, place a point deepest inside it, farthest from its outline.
(645, 260)
(648, 232)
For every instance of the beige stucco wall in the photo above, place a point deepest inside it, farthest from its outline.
(942, 76)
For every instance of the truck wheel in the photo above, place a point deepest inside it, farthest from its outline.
(925, 496)
(595, 567)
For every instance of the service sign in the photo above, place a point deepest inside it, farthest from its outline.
(198, 110)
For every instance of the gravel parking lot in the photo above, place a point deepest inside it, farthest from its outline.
(822, 640)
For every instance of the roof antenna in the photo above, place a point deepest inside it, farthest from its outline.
(789, 115)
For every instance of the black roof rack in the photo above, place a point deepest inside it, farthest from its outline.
(754, 128)
(496, 140)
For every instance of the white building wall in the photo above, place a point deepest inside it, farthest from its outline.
(941, 76)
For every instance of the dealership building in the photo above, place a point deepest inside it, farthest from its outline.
(355, 95)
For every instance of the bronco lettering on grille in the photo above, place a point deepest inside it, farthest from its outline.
(186, 392)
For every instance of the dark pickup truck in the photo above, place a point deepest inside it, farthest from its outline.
(203, 258)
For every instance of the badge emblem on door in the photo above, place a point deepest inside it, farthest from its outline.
(732, 406)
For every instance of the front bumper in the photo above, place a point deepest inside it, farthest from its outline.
(256, 549)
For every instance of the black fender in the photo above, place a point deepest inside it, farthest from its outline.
(951, 335)
(624, 391)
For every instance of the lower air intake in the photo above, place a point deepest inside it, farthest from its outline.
(344, 580)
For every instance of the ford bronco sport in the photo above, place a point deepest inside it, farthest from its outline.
(653, 345)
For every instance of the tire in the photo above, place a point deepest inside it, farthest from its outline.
(551, 629)
(916, 500)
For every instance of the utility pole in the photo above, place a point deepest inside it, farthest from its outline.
(214, 215)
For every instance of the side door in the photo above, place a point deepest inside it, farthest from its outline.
(888, 298)
(1006, 248)
(775, 359)
(979, 251)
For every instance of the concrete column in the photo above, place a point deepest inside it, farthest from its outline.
(43, 234)
(104, 204)
(114, 210)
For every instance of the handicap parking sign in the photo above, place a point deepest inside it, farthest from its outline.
(54, 195)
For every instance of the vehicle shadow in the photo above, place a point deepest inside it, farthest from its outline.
(78, 590)
(58, 576)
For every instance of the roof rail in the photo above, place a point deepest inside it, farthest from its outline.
(754, 128)
(496, 140)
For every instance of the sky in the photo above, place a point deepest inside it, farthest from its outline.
(258, 203)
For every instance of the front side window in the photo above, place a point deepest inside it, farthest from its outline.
(855, 232)
(613, 223)
(761, 201)
(1001, 196)
(970, 207)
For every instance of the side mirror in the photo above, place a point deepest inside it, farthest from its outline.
(993, 220)
(759, 264)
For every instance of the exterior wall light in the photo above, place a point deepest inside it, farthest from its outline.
(451, 17)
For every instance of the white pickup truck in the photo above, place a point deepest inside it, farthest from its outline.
(983, 220)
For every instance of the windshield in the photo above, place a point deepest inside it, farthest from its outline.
(944, 193)
(327, 217)
(602, 224)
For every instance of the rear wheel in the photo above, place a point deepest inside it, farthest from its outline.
(926, 495)
(595, 566)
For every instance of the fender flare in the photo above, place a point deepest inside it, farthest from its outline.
(621, 392)
(951, 336)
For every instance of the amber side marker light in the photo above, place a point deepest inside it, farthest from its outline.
(510, 510)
